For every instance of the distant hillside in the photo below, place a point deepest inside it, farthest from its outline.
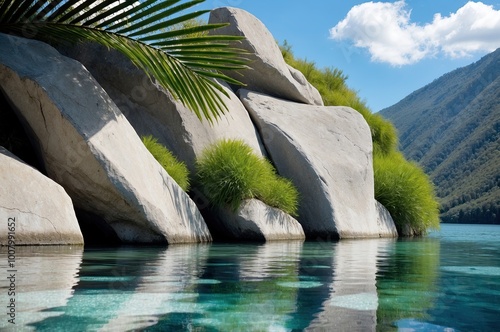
(452, 128)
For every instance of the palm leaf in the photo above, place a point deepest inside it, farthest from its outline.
(185, 61)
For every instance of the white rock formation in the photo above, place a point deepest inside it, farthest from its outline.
(34, 209)
(327, 153)
(256, 221)
(269, 73)
(90, 148)
(153, 111)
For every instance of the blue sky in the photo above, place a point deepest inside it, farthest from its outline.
(388, 49)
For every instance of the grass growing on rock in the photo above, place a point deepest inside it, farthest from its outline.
(175, 168)
(230, 172)
(406, 192)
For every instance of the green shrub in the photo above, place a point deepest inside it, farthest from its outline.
(230, 172)
(176, 169)
(406, 192)
(277, 191)
(384, 134)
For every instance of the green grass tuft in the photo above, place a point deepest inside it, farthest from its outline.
(230, 172)
(406, 192)
(277, 191)
(175, 168)
(384, 134)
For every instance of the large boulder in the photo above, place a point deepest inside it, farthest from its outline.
(269, 73)
(90, 149)
(34, 209)
(153, 111)
(256, 221)
(327, 153)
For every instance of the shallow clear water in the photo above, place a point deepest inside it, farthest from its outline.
(449, 281)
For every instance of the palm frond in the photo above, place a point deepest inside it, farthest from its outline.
(184, 60)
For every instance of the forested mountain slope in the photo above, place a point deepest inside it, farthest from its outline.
(452, 128)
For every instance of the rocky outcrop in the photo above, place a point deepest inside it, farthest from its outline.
(87, 131)
(90, 149)
(269, 73)
(34, 209)
(386, 224)
(327, 153)
(256, 221)
(153, 111)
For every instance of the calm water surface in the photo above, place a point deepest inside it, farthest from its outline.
(449, 281)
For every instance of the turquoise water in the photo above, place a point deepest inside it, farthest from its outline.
(449, 281)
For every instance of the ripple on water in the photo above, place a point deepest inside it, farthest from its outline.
(360, 301)
(414, 325)
(319, 267)
(475, 270)
(106, 278)
(300, 284)
(206, 282)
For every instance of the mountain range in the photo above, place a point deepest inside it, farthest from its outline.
(451, 127)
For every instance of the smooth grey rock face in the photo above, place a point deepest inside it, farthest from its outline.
(153, 111)
(38, 210)
(269, 73)
(256, 221)
(385, 222)
(90, 148)
(327, 153)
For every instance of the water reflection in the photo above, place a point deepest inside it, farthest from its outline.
(279, 286)
(469, 282)
(352, 302)
(164, 281)
(242, 294)
(129, 288)
(45, 278)
(407, 284)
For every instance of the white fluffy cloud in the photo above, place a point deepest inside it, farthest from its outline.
(386, 31)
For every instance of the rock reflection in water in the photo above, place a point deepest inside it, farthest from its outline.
(352, 302)
(221, 287)
(45, 278)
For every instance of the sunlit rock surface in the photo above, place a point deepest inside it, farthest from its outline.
(153, 111)
(256, 221)
(90, 149)
(269, 73)
(34, 210)
(327, 153)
